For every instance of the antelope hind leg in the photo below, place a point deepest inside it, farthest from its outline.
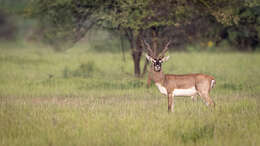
(207, 99)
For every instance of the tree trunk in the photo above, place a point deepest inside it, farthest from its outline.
(155, 41)
(136, 54)
(145, 67)
(122, 46)
(137, 58)
(136, 48)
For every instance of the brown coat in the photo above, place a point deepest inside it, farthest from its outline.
(201, 84)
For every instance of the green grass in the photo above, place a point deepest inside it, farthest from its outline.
(83, 97)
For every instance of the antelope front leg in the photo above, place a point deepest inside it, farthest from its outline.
(148, 82)
(194, 98)
(207, 99)
(170, 102)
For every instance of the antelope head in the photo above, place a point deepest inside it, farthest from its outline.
(155, 59)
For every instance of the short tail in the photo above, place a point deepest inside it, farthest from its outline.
(213, 83)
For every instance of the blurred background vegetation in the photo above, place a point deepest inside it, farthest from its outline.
(115, 25)
(67, 72)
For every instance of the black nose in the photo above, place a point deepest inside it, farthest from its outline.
(157, 68)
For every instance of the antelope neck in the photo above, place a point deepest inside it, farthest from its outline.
(158, 77)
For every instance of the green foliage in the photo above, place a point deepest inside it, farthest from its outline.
(13, 6)
(145, 14)
(223, 10)
(67, 20)
(245, 34)
(64, 22)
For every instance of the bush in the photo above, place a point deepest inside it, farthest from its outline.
(246, 34)
(7, 29)
(85, 70)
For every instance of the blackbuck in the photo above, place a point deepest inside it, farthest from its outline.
(173, 85)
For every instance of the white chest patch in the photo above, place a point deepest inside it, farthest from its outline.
(161, 88)
(185, 92)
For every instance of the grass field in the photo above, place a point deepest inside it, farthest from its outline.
(81, 97)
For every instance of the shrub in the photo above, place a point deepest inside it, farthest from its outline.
(85, 70)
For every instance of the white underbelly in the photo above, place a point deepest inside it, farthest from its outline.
(185, 92)
(178, 92)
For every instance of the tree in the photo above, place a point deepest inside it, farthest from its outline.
(139, 19)
(65, 22)
(69, 20)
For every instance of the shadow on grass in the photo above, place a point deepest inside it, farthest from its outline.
(132, 84)
(197, 133)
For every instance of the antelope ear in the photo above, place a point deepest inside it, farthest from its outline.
(165, 58)
(149, 57)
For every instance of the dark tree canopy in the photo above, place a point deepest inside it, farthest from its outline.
(64, 22)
